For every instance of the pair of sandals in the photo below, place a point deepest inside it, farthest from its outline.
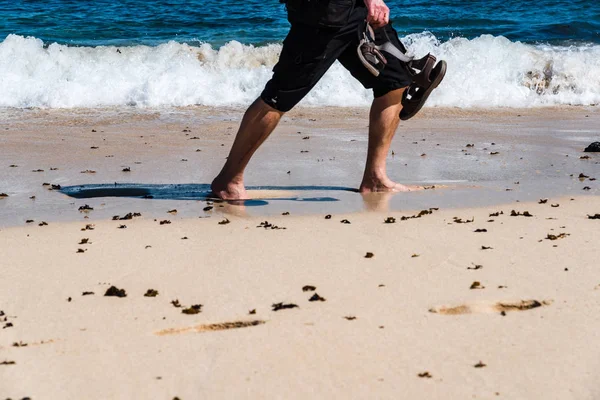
(426, 74)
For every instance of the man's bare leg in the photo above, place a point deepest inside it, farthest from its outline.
(259, 121)
(384, 118)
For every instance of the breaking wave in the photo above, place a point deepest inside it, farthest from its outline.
(488, 71)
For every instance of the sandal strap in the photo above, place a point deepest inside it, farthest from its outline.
(424, 65)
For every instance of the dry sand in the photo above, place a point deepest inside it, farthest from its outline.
(462, 301)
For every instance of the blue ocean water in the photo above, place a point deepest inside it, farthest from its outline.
(131, 22)
(165, 53)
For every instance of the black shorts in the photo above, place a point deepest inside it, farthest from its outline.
(309, 51)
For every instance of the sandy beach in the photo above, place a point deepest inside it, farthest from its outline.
(484, 286)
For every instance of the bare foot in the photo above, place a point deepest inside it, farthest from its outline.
(228, 191)
(387, 186)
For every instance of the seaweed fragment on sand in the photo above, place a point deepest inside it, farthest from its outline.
(369, 255)
(515, 213)
(463, 221)
(268, 225)
(476, 285)
(316, 297)
(419, 215)
(127, 216)
(425, 374)
(151, 293)
(224, 222)
(283, 306)
(309, 288)
(551, 236)
(475, 267)
(113, 291)
(192, 310)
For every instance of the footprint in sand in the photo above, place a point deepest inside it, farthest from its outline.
(210, 327)
(497, 307)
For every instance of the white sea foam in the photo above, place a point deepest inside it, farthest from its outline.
(483, 72)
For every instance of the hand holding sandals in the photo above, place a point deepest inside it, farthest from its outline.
(379, 13)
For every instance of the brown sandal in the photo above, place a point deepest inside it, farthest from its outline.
(424, 82)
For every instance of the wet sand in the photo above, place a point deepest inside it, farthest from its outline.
(316, 155)
(474, 289)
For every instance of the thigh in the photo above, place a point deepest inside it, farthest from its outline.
(308, 52)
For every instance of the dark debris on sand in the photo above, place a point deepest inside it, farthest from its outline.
(316, 297)
(127, 216)
(309, 288)
(86, 208)
(593, 148)
(192, 310)
(476, 285)
(514, 213)
(224, 222)
(283, 306)
(457, 220)
(151, 293)
(420, 214)
(556, 237)
(268, 225)
(113, 291)
(595, 216)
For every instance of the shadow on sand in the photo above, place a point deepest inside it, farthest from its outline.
(199, 192)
